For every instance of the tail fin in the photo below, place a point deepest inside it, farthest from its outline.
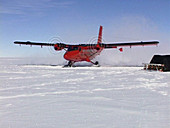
(100, 35)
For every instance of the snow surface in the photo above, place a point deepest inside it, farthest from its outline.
(42, 96)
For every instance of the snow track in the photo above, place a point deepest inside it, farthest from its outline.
(33, 96)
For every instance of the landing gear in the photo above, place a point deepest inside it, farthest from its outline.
(70, 64)
(95, 63)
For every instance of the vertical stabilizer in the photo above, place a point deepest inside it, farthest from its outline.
(100, 35)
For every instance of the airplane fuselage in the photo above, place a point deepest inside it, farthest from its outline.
(82, 53)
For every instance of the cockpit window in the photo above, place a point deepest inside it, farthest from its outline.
(72, 48)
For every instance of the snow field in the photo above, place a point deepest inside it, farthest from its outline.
(37, 96)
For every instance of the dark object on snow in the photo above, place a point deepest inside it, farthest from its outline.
(162, 59)
(159, 63)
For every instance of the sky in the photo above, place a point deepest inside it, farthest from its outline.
(78, 21)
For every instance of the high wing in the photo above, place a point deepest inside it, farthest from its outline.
(130, 44)
(59, 46)
(33, 43)
(63, 45)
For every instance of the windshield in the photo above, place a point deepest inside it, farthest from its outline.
(71, 48)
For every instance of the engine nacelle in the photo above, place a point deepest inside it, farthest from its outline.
(59, 46)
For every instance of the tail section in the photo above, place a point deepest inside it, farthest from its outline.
(100, 35)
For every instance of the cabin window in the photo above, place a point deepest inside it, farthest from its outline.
(72, 48)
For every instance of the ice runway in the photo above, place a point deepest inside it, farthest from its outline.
(37, 96)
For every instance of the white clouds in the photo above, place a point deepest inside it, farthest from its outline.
(34, 6)
(136, 28)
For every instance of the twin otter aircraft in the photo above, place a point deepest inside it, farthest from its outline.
(86, 52)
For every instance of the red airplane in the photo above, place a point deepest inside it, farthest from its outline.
(86, 52)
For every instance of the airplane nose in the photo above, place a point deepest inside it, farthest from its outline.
(71, 55)
(66, 56)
